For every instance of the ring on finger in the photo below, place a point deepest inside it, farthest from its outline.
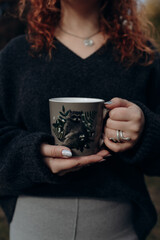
(120, 137)
(113, 140)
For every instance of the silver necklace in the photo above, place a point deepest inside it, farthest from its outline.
(87, 40)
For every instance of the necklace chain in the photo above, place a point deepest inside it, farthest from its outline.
(84, 38)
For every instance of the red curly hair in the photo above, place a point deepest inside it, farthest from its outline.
(122, 20)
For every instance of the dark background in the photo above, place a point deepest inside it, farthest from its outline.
(11, 27)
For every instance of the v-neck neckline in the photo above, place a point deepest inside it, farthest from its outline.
(76, 55)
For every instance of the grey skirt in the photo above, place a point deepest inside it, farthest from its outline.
(71, 218)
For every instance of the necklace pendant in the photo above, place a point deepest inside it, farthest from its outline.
(88, 42)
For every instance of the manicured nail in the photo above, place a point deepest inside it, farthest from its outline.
(109, 102)
(66, 153)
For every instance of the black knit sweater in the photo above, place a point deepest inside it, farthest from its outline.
(26, 84)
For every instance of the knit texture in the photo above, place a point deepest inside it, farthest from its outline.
(27, 83)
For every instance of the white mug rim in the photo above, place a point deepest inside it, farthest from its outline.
(76, 100)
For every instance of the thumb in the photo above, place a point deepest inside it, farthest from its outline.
(48, 150)
(117, 102)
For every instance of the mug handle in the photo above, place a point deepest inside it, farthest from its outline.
(105, 117)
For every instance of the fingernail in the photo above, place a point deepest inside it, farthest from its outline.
(109, 102)
(66, 153)
(103, 160)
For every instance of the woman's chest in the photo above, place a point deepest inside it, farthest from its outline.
(103, 79)
(66, 79)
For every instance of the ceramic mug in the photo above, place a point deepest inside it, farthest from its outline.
(77, 122)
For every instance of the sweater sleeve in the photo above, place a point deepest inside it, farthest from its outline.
(146, 153)
(21, 163)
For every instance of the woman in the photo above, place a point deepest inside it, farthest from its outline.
(85, 49)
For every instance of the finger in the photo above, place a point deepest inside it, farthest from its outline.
(84, 160)
(121, 114)
(117, 147)
(55, 151)
(104, 153)
(59, 164)
(117, 102)
(117, 125)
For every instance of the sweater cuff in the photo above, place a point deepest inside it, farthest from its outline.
(35, 168)
(148, 144)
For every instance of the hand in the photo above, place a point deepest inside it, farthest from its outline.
(125, 116)
(61, 164)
